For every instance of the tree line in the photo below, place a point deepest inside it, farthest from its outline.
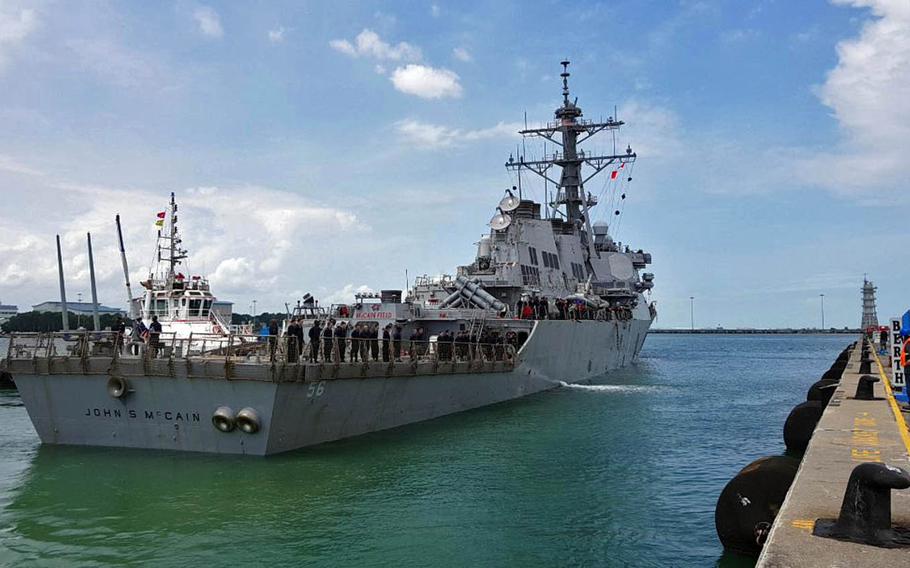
(53, 321)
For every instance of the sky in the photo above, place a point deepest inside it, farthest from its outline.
(329, 147)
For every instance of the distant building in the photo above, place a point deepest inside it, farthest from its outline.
(7, 311)
(78, 308)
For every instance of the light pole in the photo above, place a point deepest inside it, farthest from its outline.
(692, 312)
(822, 296)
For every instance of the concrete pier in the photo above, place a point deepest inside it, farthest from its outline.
(850, 432)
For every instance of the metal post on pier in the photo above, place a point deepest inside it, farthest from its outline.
(91, 271)
(63, 308)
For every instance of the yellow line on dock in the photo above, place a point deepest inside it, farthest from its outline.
(901, 424)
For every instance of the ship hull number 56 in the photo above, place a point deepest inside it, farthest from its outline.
(315, 390)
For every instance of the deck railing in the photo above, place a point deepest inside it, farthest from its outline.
(266, 349)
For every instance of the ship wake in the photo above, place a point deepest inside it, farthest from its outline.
(611, 388)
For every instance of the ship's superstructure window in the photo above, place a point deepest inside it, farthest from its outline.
(550, 260)
(530, 275)
(195, 305)
(578, 271)
(533, 252)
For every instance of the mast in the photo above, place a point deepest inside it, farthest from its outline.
(171, 248)
(126, 272)
(91, 271)
(63, 307)
(568, 131)
(172, 260)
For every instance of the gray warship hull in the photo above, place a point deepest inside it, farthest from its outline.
(171, 402)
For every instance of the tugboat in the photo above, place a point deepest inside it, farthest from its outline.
(550, 298)
(183, 306)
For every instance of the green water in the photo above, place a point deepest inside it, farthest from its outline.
(622, 473)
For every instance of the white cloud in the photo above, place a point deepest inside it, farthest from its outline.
(11, 165)
(277, 35)
(653, 131)
(369, 44)
(249, 240)
(15, 25)
(117, 64)
(869, 94)
(380, 69)
(462, 54)
(234, 272)
(435, 10)
(426, 82)
(345, 295)
(343, 46)
(209, 22)
(432, 136)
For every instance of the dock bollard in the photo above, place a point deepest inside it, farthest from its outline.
(801, 424)
(865, 514)
(748, 504)
(865, 388)
(865, 365)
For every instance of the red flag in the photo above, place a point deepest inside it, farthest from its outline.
(161, 214)
(613, 174)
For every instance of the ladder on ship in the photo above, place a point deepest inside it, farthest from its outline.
(477, 324)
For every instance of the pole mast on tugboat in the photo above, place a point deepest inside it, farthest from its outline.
(568, 131)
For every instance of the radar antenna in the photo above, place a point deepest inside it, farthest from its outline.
(500, 221)
(509, 202)
(568, 131)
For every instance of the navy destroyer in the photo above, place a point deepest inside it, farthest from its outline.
(550, 298)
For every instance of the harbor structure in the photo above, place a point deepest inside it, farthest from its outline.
(870, 316)
(78, 308)
(550, 298)
(848, 503)
(7, 311)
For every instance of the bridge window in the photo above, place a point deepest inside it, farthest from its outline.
(533, 253)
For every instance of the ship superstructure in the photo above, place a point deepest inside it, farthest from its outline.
(549, 299)
(561, 255)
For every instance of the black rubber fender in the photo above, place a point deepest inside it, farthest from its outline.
(833, 375)
(748, 504)
(822, 391)
(801, 424)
